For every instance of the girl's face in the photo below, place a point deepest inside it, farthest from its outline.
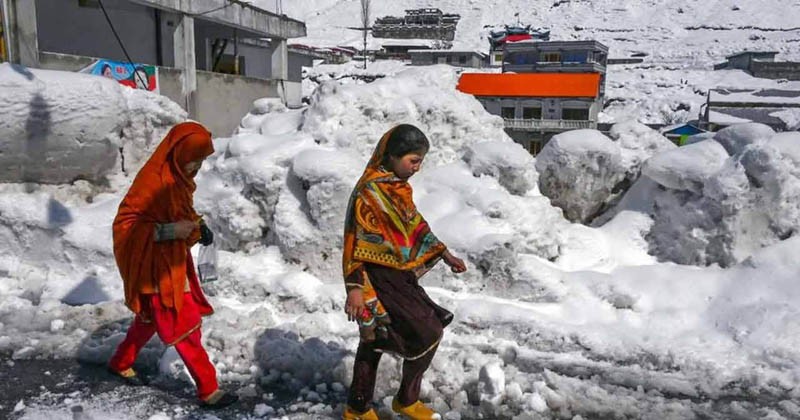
(192, 168)
(407, 165)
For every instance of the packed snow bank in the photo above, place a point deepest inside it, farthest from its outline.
(288, 173)
(553, 318)
(736, 137)
(579, 171)
(59, 127)
(711, 208)
(584, 172)
(510, 163)
(638, 143)
(688, 167)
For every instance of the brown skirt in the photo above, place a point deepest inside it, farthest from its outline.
(417, 322)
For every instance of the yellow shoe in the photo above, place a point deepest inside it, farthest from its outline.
(350, 414)
(416, 411)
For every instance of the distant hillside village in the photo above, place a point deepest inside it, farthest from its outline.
(216, 57)
(542, 87)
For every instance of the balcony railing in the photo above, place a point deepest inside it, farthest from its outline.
(532, 124)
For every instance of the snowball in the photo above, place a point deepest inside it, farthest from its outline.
(578, 171)
(511, 164)
(56, 325)
(492, 379)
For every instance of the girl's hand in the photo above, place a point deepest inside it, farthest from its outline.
(456, 264)
(184, 228)
(354, 305)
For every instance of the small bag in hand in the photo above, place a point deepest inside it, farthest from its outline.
(207, 263)
(207, 259)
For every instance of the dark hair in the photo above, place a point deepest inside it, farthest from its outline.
(405, 138)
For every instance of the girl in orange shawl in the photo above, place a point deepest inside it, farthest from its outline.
(155, 226)
(388, 246)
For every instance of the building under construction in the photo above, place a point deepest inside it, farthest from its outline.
(417, 24)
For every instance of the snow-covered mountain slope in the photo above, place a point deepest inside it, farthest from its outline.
(681, 40)
(704, 31)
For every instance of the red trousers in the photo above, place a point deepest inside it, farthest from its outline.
(182, 331)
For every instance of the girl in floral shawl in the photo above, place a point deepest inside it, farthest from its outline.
(388, 246)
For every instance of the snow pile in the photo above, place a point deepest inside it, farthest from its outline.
(708, 207)
(285, 178)
(790, 117)
(735, 139)
(579, 171)
(508, 162)
(687, 168)
(59, 127)
(553, 320)
(637, 143)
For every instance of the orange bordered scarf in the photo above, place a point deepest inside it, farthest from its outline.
(160, 193)
(383, 226)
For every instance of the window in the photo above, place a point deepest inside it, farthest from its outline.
(532, 113)
(507, 112)
(575, 114)
(551, 57)
(227, 65)
(462, 59)
(498, 57)
(535, 146)
(576, 57)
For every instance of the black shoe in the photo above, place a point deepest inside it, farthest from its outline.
(128, 376)
(218, 400)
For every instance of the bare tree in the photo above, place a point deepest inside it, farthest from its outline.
(365, 11)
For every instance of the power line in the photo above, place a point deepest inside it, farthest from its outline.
(133, 67)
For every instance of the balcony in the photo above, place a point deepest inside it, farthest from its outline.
(532, 124)
(544, 67)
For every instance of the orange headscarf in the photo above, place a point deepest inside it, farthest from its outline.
(161, 193)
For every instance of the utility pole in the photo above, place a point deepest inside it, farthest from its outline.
(365, 9)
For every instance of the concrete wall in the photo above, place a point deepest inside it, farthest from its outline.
(296, 63)
(233, 14)
(257, 60)
(171, 84)
(452, 58)
(205, 34)
(135, 24)
(222, 100)
(741, 62)
(775, 70)
(64, 62)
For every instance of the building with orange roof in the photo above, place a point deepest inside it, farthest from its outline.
(545, 88)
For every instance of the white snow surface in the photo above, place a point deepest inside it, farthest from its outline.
(688, 167)
(681, 40)
(59, 127)
(552, 318)
(704, 31)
